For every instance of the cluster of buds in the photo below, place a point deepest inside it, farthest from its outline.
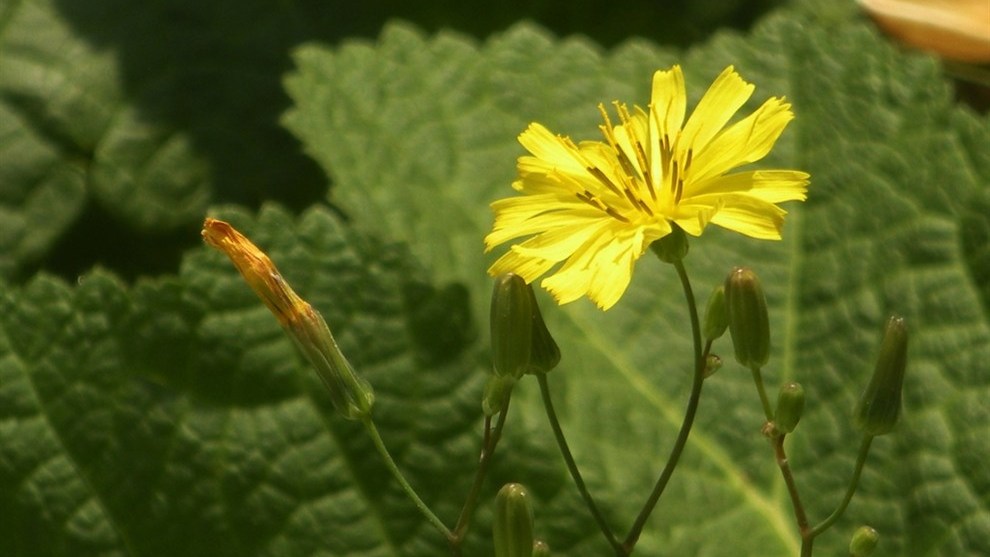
(745, 309)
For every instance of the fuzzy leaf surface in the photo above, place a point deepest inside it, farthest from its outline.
(417, 134)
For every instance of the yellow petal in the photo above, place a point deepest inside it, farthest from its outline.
(512, 211)
(601, 269)
(573, 280)
(724, 98)
(550, 152)
(750, 216)
(561, 243)
(613, 273)
(668, 103)
(746, 141)
(774, 186)
(529, 268)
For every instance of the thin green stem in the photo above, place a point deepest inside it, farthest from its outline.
(376, 438)
(689, 414)
(764, 400)
(785, 471)
(491, 439)
(808, 536)
(572, 467)
(864, 450)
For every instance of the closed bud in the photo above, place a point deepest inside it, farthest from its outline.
(790, 404)
(863, 542)
(497, 392)
(748, 320)
(512, 325)
(544, 353)
(716, 315)
(712, 364)
(672, 247)
(351, 395)
(512, 530)
(541, 549)
(880, 405)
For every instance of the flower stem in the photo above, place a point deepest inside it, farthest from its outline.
(491, 438)
(808, 535)
(785, 471)
(864, 450)
(689, 414)
(572, 467)
(376, 438)
(764, 400)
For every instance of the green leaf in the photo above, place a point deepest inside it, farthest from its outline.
(417, 134)
(176, 418)
(141, 115)
(172, 417)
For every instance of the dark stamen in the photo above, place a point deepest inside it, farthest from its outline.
(616, 214)
(597, 173)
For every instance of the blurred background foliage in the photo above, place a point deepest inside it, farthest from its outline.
(211, 74)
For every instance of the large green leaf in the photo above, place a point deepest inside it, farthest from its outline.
(175, 418)
(417, 133)
(172, 417)
(137, 117)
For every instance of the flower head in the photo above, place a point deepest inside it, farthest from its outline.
(597, 205)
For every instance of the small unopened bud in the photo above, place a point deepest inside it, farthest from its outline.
(512, 530)
(512, 325)
(541, 549)
(672, 247)
(716, 315)
(351, 395)
(544, 354)
(748, 320)
(863, 542)
(790, 404)
(496, 393)
(521, 342)
(880, 405)
(713, 363)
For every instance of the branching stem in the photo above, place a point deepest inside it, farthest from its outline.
(490, 440)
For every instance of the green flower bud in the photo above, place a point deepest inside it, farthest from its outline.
(748, 320)
(497, 392)
(790, 404)
(672, 247)
(712, 364)
(512, 325)
(880, 404)
(716, 315)
(544, 353)
(541, 549)
(863, 542)
(512, 530)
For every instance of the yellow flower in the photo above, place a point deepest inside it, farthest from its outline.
(597, 205)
